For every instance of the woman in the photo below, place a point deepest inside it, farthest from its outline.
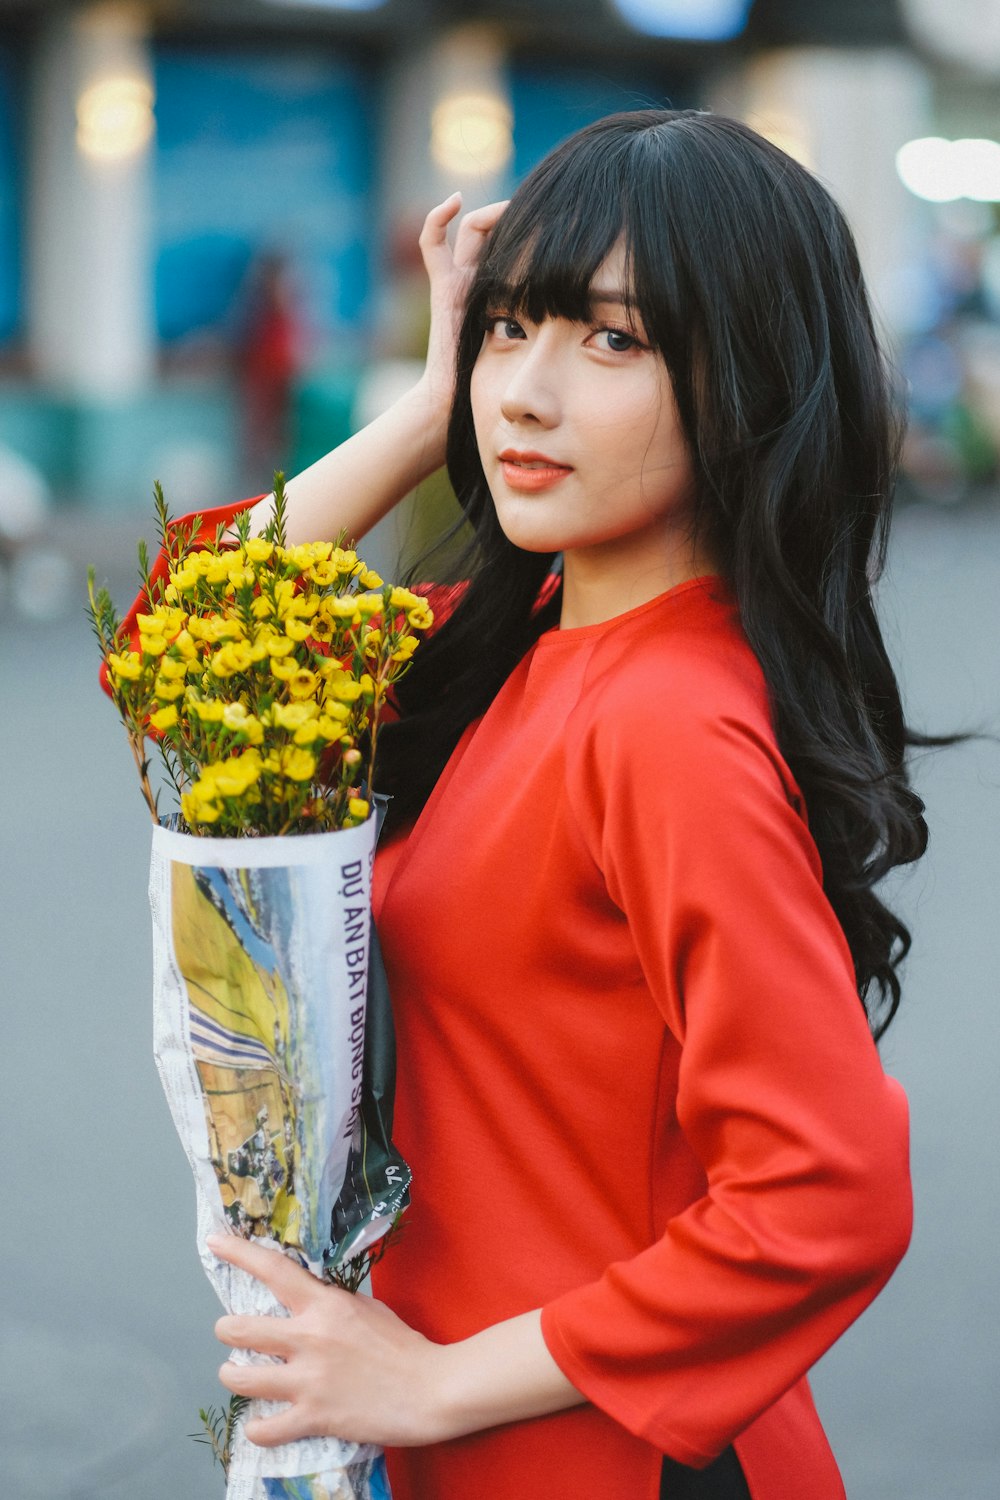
(640, 807)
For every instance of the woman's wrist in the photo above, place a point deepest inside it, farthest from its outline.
(503, 1374)
(429, 408)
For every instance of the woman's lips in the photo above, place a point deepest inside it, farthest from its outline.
(530, 472)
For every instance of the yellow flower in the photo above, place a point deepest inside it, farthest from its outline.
(367, 687)
(261, 607)
(276, 644)
(344, 561)
(234, 656)
(239, 577)
(342, 687)
(302, 606)
(293, 762)
(236, 718)
(307, 735)
(207, 710)
(322, 628)
(168, 688)
(322, 574)
(160, 622)
(164, 718)
(340, 712)
(172, 669)
(297, 630)
(342, 609)
(215, 628)
(199, 809)
(258, 550)
(358, 808)
(186, 646)
(404, 599)
(231, 778)
(284, 667)
(329, 727)
(369, 579)
(420, 617)
(184, 581)
(368, 605)
(304, 683)
(290, 715)
(216, 570)
(405, 649)
(126, 668)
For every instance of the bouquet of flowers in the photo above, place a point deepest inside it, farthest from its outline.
(258, 673)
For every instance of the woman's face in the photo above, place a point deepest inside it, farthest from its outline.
(578, 433)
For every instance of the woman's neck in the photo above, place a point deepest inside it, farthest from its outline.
(604, 581)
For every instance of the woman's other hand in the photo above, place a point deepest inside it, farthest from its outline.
(348, 1366)
(450, 271)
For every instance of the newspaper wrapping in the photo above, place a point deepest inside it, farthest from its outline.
(261, 954)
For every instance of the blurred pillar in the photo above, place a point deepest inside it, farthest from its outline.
(91, 323)
(844, 114)
(448, 124)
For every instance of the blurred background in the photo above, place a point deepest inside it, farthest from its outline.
(208, 269)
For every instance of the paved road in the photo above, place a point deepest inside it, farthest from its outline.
(105, 1330)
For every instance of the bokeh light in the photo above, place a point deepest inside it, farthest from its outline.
(692, 20)
(941, 171)
(114, 118)
(472, 134)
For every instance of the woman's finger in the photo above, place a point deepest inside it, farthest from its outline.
(433, 239)
(266, 1335)
(294, 1287)
(260, 1382)
(284, 1427)
(473, 230)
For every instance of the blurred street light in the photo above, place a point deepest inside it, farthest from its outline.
(472, 134)
(329, 4)
(942, 171)
(114, 118)
(688, 20)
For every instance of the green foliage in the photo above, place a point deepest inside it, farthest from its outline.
(219, 1430)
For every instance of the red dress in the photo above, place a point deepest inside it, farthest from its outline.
(636, 1085)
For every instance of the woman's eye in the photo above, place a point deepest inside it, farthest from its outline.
(505, 328)
(618, 341)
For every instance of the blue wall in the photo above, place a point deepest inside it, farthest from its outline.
(551, 101)
(11, 115)
(261, 152)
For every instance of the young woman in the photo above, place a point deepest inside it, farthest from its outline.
(641, 804)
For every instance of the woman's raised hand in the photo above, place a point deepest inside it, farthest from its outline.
(450, 270)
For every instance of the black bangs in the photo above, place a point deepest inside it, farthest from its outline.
(612, 183)
(552, 239)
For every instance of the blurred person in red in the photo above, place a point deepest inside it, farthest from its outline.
(269, 350)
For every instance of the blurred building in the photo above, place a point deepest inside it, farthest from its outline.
(209, 208)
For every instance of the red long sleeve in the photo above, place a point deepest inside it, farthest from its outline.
(220, 515)
(696, 825)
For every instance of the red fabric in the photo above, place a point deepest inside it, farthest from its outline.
(221, 515)
(636, 1085)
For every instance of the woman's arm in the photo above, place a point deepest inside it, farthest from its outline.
(351, 1368)
(352, 487)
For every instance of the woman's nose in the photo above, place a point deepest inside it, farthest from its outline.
(531, 393)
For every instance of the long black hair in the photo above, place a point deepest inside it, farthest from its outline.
(745, 277)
